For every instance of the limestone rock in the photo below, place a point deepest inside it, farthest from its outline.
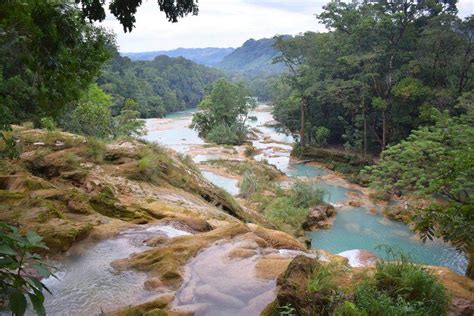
(319, 217)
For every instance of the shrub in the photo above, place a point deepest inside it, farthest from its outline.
(321, 279)
(306, 194)
(48, 124)
(19, 270)
(95, 149)
(400, 287)
(89, 119)
(285, 215)
(249, 184)
(225, 134)
(321, 135)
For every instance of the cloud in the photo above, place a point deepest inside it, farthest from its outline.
(224, 23)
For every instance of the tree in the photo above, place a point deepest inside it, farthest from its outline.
(48, 56)
(436, 160)
(225, 108)
(159, 86)
(378, 72)
(125, 10)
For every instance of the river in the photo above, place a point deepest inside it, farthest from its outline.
(353, 228)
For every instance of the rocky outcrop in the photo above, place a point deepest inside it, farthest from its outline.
(319, 217)
(68, 187)
(293, 288)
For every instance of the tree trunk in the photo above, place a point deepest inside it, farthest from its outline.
(302, 136)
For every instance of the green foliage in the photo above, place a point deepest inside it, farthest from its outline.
(321, 135)
(223, 112)
(321, 279)
(402, 288)
(48, 56)
(159, 86)
(282, 212)
(19, 269)
(306, 194)
(90, 119)
(436, 159)
(369, 88)
(349, 309)
(287, 310)
(95, 149)
(249, 184)
(223, 134)
(48, 124)
(125, 11)
(127, 123)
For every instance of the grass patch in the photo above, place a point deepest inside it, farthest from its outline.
(95, 149)
(400, 287)
(283, 214)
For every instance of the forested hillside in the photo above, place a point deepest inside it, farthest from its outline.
(208, 56)
(159, 86)
(253, 59)
(382, 70)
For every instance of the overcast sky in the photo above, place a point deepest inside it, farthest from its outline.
(224, 23)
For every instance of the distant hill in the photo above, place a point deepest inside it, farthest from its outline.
(253, 58)
(209, 56)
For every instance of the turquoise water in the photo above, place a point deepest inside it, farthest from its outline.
(303, 170)
(179, 137)
(355, 228)
(228, 184)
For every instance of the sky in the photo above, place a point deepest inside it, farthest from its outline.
(224, 23)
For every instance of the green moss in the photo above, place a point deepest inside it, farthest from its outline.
(11, 196)
(107, 204)
(59, 235)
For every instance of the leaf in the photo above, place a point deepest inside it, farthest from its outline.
(7, 250)
(37, 302)
(42, 270)
(17, 303)
(33, 237)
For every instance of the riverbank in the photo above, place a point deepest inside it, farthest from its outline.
(134, 224)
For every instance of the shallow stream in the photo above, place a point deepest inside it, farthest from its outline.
(354, 227)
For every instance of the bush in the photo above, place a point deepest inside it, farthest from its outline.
(249, 184)
(48, 124)
(19, 270)
(224, 134)
(400, 287)
(89, 119)
(306, 194)
(95, 149)
(321, 135)
(285, 215)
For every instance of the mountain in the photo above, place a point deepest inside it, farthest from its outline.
(209, 56)
(254, 58)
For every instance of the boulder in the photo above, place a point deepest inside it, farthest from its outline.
(319, 217)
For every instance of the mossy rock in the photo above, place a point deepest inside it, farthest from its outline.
(107, 204)
(59, 234)
(7, 196)
(153, 307)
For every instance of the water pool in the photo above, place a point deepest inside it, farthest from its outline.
(228, 184)
(356, 228)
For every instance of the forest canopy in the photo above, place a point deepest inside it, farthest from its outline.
(378, 73)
